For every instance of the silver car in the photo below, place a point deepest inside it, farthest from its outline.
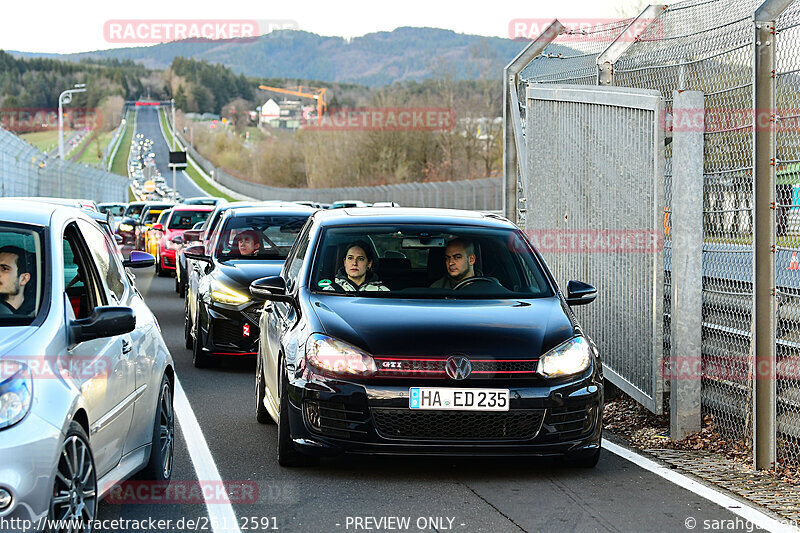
(86, 380)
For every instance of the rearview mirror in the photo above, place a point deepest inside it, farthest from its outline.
(579, 293)
(197, 252)
(191, 235)
(272, 288)
(177, 239)
(105, 321)
(139, 260)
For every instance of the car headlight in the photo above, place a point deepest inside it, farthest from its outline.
(171, 245)
(125, 227)
(332, 356)
(225, 295)
(567, 358)
(16, 392)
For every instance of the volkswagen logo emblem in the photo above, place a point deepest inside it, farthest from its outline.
(458, 367)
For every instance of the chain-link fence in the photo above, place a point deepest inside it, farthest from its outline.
(25, 171)
(715, 46)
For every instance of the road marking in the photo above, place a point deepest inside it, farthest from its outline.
(738, 507)
(221, 515)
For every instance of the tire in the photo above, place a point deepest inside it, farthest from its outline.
(262, 415)
(75, 493)
(288, 456)
(159, 467)
(187, 326)
(182, 289)
(158, 266)
(177, 288)
(200, 359)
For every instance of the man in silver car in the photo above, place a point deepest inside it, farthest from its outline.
(15, 273)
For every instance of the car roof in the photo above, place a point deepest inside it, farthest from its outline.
(193, 208)
(30, 211)
(409, 215)
(271, 210)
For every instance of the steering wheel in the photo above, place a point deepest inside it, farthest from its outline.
(470, 281)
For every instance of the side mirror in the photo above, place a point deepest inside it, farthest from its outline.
(177, 239)
(118, 238)
(197, 252)
(192, 235)
(139, 260)
(272, 288)
(158, 227)
(579, 293)
(105, 321)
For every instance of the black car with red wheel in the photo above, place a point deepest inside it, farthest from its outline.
(221, 317)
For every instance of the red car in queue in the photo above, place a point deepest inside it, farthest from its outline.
(182, 218)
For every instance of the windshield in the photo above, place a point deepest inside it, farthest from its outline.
(21, 274)
(427, 261)
(151, 216)
(116, 210)
(258, 236)
(134, 211)
(187, 219)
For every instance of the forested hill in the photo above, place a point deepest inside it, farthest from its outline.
(376, 59)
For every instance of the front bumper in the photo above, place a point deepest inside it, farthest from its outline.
(168, 259)
(329, 417)
(230, 330)
(30, 451)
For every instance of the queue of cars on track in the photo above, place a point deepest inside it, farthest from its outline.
(374, 330)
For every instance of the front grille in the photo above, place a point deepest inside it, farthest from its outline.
(519, 424)
(433, 367)
(568, 423)
(334, 419)
(225, 332)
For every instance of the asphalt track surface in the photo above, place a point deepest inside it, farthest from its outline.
(148, 124)
(356, 493)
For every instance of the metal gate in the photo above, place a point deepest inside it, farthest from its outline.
(594, 190)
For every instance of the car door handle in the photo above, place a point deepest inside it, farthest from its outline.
(126, 347)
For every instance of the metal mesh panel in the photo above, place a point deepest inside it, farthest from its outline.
(787, 90)
(25, 171)
(572, 56)
(707, 46)
(584, 149)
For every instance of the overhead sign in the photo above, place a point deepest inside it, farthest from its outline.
(177, 160)
(149, 186)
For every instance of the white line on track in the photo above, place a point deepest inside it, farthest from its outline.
(221, 515)
(747, 512)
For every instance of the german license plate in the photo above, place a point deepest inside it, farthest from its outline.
(458, 399)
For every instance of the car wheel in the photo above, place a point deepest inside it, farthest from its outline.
(287, 453)
(159, 468)
(187, 325)
(177, 285)
(262, 415)
(200, 359)
(158, 265)
(75, 485)
(182, 289)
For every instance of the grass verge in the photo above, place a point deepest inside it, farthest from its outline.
(120, 163)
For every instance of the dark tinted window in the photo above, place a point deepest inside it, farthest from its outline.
(275, 235)
(187, 219)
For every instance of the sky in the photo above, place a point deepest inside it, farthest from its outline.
(78, 26)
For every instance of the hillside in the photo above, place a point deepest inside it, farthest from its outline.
(376, 59)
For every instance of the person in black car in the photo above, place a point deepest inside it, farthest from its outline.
(356, 275)
(248, 242)
(15, 273)
(459, 260)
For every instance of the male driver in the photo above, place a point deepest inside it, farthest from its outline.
(14, 275)
(248, 242)
(459, 260)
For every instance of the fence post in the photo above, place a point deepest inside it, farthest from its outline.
(687, 265)
(764, 302)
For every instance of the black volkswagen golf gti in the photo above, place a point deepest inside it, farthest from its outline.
(424, 331)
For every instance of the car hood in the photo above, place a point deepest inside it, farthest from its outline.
(246, 271)
(491, 328)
